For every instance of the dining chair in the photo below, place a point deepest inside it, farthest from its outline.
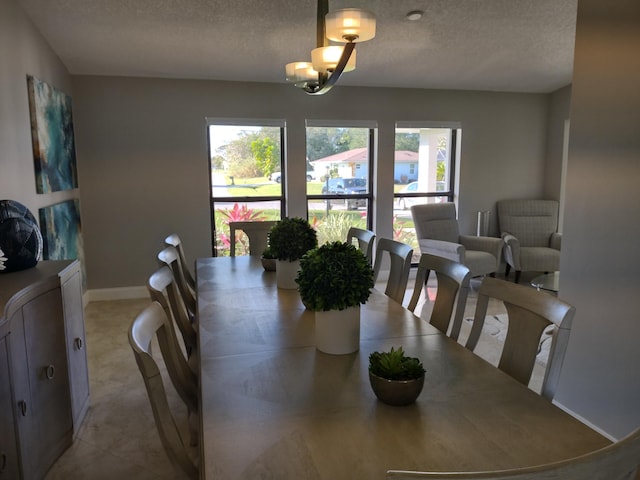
(438, 234)
(256, 232)
(618, 461)
(453, 284)
(365, 240)
(400, 258)
(164, 290)
(529, 313)
(151, 322)
(169, 256)
(173, 240)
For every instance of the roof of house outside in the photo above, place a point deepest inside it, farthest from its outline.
(359, 155)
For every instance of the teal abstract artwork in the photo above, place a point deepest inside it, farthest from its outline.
(61, 231)
(52, 137)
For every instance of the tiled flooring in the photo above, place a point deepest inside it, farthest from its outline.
(118, 439)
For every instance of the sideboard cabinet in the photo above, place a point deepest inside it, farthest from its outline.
(44, 382)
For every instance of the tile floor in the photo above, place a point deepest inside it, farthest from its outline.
(118, 438)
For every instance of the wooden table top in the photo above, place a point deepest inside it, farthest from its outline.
(275, 407)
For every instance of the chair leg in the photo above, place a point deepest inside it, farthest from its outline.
(517, 279)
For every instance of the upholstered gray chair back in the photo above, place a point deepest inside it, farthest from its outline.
(531, 221)
(436, 221)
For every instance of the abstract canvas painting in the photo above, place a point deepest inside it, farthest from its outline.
(61, 231)
(54, 151)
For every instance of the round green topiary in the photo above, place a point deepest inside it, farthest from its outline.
(291, 238)
(334, 276)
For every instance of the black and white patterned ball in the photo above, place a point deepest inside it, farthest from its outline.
(20, 237)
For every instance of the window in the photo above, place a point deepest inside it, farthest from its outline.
(340, 197)
(424, 172)
(245, 160)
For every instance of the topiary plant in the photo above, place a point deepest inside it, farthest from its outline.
(394, 365)
(291, 238)
(334, 276)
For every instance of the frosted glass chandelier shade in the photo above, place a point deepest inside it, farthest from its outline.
(325, 59)
(300, 73)
(350, 25)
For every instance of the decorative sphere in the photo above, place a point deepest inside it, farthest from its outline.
(20, 237)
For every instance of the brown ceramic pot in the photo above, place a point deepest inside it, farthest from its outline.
(396, 392)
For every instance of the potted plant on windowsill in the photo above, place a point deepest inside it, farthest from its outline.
(289, 240)
(395, 378)
(334, 280)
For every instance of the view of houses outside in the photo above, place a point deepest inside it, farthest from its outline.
(422, 174)
(246, 178)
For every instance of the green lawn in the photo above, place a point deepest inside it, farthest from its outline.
(261, 186)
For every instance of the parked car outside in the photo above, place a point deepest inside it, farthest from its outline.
(347, 186)
(276, 176)
(404, 203)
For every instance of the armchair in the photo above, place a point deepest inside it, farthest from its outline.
(529, 231)
(437, 231)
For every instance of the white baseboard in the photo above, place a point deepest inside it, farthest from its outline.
(120, 293)
(585, 421)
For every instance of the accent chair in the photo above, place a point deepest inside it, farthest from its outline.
(438, 234)
(530, 234)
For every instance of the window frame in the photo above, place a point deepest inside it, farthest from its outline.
(455, 132)
(372, 130)
(244, 122)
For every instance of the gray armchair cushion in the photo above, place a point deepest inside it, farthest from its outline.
(532, 222)
(450, 250)
(540, 259)
(436, 221)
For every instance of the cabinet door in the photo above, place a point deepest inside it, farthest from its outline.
(8, 453)
(76, 351)
(48, 377)
(19, 366)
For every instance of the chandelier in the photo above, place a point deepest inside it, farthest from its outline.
(328, 62)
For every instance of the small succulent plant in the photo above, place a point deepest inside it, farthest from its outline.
(394, 365)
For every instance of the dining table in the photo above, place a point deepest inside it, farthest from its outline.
(272, 406)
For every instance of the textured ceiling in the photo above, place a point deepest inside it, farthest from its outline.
(496, 45)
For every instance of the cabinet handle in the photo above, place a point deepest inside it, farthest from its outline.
(79, 343)
(50, 372)
(3, 461)
(23, 407)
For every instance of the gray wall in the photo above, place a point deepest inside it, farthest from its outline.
(600, 261)
(143, 155)
(559, 102)
(23, 52)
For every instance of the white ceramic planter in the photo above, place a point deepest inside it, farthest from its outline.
(286, 273)
(338, 331)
